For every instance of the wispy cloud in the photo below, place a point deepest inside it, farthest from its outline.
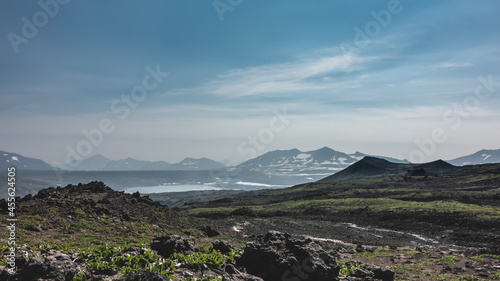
(290, 77)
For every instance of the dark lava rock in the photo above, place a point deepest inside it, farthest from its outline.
(222, 246)
(166, 245)
(384, 274)
(54, 267)
(362, 274)
(279, 256)
(145, 276)
(209, 231)
(232, 274)
(46, 193)
(244, 212)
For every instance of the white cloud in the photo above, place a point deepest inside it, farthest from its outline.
(306, 75)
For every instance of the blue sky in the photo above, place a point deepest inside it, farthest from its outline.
(411, 75)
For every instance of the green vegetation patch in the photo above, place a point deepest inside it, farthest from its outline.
(109, 258)
(211, 258)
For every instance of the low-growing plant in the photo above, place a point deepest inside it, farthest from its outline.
(211, 258)
(108, 258)
(346, 268)
(80, 277)
(80, 212)
(376, 253)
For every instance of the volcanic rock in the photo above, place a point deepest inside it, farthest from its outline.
(166, 245)
(278, 256)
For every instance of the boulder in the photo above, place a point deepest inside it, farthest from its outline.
(222, 246)
(54, 267)
(209, 231)
(232, 274)
(244, 212)
(166, 245)
(384, 274)
(279, 256)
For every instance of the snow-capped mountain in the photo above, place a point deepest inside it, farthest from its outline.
(323, 161)
(9, 159)
(481, 157)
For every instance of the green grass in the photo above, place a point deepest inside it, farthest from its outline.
(376, 253)
(80, 212)
(374, 204)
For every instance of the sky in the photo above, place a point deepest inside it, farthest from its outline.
(233, 79)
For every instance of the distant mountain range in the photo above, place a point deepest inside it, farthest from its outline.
(311, 164)
(323, 161)
(101, 163)
(371, 167)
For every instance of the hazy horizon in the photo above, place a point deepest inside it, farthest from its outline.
(166, 80)
(239, 162)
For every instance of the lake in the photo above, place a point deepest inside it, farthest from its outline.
(170, 188)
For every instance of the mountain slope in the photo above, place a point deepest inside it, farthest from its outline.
(481, 157)
(371, 167)
(295, 161)
(196, 164)
(128, 164)
(101, 163)
(358, 155)
(94, 163)
(9, 159)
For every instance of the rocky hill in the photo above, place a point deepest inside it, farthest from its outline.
(372, 167)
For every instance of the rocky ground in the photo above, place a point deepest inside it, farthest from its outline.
(90, 232)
